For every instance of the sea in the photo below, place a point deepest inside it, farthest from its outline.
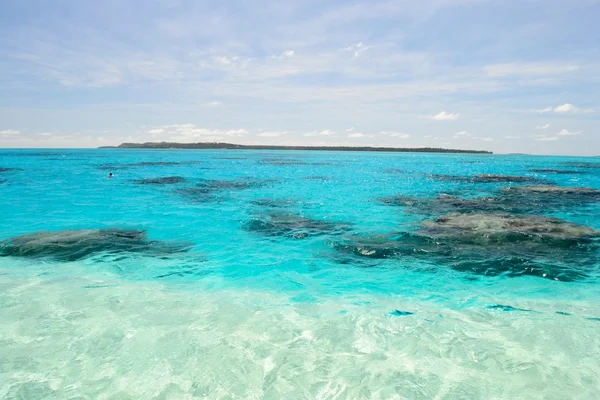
(249, 274)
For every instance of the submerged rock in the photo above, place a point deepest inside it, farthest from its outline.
(502, 307)
(167, 180)
(211, 190)
(549, 197)
(553, 189)
(490, 244)
(590, 165)
(400, 313)
(488, 178)
(74, 245)
(274, 203)
(510, 200)
(487, 228)
(292, 226)
(4, 169)
(444, 204)
(243, 184)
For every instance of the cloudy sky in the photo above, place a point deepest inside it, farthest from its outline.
(503, 75)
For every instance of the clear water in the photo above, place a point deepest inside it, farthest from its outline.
(251, 313)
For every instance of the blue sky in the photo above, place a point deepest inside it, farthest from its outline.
(508, 76)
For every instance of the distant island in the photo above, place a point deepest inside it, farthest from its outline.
(230, 146)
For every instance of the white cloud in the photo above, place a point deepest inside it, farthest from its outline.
(565, 108)
(224, 60)
(45, 134)
(350, 129)
(486, 139)
(512, 137)
(500, 70)
(461, 134)
(566, 132)
(546, 138)
(398, 135)
(9, 132)
(445, 116)
(285, 54)
(357, 48)
(214, 103)
(156, 131)
(271, 134)
(356, 135)
(191, 131)
(325, 132)
(545, 126)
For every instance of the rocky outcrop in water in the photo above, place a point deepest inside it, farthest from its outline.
(167, 180)
(210, 191)
(274, 203)
(72, 245)
(502, 228)
(5, 169)
(489, 244)
(552, 189)
(511, 200)
(590, 165)
(488, 178)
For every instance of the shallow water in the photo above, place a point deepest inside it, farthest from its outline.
(262, 304)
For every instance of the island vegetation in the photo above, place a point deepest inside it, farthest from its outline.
(230, 146)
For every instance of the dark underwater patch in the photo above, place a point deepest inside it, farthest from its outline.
(74, 245)
(400, 313)
(488, 178)
(167, 180)
(489, 245)
(5, 169)
(562, 313)
(274, 203)
(510, 200)
(292, 226)
(212, 190)
(240, 184)
(505, 308)
(590, 165)
(549, 197)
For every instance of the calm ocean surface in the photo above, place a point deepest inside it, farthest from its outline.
(298, 275)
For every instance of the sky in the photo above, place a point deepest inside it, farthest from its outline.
(510, 76)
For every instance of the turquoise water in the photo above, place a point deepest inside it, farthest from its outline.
(270, 274)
